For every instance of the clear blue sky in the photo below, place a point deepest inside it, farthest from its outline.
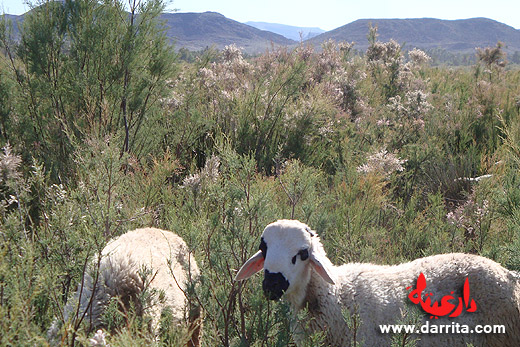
(330, 14)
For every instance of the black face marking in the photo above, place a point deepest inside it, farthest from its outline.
(274, 285)
(263, 247)
(304, 255)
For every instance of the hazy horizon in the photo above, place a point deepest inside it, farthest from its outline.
(332, 14)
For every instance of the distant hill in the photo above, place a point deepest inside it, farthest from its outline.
(196, 31)
(458, 36)
(15, 21)
(288, 31)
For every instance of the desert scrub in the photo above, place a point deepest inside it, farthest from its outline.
(231, 207)
(375, 150)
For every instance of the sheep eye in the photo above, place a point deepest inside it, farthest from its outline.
(263, 247)
(304, 254)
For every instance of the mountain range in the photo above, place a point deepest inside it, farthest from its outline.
(458, 36)
(197, 31)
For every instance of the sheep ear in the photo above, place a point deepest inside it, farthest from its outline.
(321, 268)
(252, 266)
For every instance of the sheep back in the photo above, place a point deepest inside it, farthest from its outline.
(170, 266)
(378, 295)
(162, 252)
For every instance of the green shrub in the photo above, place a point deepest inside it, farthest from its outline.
(102, 132)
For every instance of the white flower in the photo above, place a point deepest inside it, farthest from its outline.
(418, 57)
(210, 171)
(383, 122)
(9, 164)
(469, 215)
(383, 163)
(99, 339)
(209, 78)
(232, 53)
(12, 200)
(192, 181)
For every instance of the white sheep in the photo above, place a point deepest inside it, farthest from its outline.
(295, 265)
(169, 264)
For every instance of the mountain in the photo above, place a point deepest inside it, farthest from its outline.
(288, 31)
(458, 36)
(196, 31)
(15, 21)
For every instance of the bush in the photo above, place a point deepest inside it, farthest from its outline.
(389, 159)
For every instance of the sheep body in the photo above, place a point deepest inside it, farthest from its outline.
(377, 295)
(170, 266)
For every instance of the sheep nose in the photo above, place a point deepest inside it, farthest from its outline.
(274, 285)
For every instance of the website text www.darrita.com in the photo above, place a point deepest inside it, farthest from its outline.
(453, 328)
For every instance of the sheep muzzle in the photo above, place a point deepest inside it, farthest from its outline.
(274, 285)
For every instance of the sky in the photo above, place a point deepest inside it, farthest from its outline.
(330, 14)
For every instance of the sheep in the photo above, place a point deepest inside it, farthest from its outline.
(296, 267)
(123, 263)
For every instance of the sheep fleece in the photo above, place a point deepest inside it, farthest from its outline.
(162, 251)
(378, 295)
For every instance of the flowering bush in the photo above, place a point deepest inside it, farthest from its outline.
(418, 57)
(370, 149)
(474, 219)
(9, 165)
(382, 163)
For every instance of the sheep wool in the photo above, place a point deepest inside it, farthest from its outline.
(170, 266)
(297, 269)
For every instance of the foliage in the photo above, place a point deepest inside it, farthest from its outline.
(103, 130)
(84, 68)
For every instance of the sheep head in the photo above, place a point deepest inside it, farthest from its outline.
(289, 250)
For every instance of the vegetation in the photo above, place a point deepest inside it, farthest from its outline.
(104, 130)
